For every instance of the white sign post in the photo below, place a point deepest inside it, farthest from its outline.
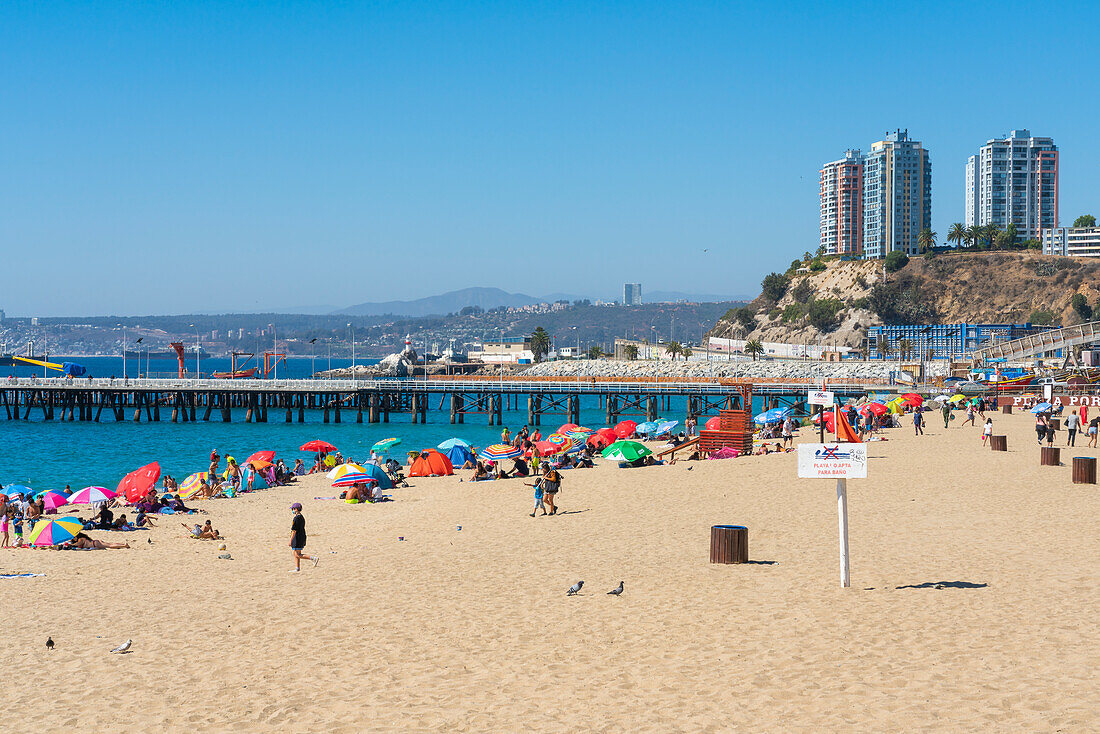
(835, 461)
(820, 397)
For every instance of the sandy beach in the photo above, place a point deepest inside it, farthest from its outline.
(975, 585)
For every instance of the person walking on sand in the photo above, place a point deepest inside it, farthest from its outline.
(971, 414)
(551, 483)
(946, 414)
(298, 538)
(918, 422)
(1040, 428)
(1051, 429)
(1073, 422)
(538, 497)
(987, 430)
(1092, 430)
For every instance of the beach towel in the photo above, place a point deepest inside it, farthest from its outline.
(19, 575)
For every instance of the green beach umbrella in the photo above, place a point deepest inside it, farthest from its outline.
(625, 451)
(385, 445)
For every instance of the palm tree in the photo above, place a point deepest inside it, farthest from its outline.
(905, 348)
(865, 351)
(973, 235)
(673, 349)
(594, 352)
(540, 343)
(926, 240)
(630, 351)
(685, 352)
(885, 348)
(754, 347)
(957, 234)
(990, 232)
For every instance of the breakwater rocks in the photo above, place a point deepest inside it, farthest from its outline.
(769, 369)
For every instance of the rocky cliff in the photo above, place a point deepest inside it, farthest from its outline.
(975, 287)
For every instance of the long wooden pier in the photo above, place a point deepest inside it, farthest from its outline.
(183, 400)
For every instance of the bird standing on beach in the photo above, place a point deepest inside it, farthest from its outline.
(124, 647)
(49, 644)
(574, 588)
(617, 591)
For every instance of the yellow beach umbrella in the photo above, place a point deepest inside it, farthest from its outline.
(348, 468)
(957, 398)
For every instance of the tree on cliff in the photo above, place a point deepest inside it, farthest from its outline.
(926, 240)
(1085, 220)
(1081, 306)
(957, 234)
(774, 286)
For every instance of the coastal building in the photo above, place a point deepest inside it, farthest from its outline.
(506, 351)
(632, 294)
(1072, 241)
(842, 205)
(1014, 180)
(897, 195)
(944, 340)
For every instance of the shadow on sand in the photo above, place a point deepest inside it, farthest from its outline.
(945, 585)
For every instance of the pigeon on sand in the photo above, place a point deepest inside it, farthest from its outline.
(617, 591)
(124, 647)
(574, 588)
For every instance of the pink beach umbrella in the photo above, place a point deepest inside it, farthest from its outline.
(91, 495)
(53, 500)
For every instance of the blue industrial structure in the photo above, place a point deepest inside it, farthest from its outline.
(946, 340)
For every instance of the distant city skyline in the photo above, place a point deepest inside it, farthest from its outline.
(181, 158)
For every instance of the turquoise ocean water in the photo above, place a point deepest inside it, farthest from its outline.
(51, 454)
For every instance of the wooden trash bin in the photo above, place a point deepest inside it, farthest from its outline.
(998, 443)
(1084, 470)
(1050, 456)
(729, 544)
(1006, 409)
(1057, 423)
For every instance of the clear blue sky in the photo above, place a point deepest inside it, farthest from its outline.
(181, 157)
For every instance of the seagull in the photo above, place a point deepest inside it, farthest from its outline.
(617, 591)
(124, 647)
(49, 643)
(575, 588)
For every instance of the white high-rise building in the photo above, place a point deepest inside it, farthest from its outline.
(632, 294)
(897, 195)
(842, 205)
(1014, 180)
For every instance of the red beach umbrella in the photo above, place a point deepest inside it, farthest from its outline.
(608, 433)
(317, 445)
(876, 408)
(828, 420)
(625, 429)
(913, 399)
(566, 427)
(137, 483)
(599, 441)
(268, 456)
(713, 424)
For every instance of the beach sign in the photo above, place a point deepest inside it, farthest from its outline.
(840, 461)
(832, 461)
(820, 397)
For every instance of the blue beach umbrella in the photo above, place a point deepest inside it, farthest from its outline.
(13, 489)
(450, 443)
(771, 416)
(666, 426)
(1041, 408)
(647, 427)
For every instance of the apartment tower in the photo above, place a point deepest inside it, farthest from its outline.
(897, 195)
(1014, 180)
(842, 205)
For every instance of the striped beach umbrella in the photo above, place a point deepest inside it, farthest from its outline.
(91, 495)
(53, 532)
(191, 486)
(353, 478)
(501, 451)
(14, 489)
(348, 468)
(559, 439)
(53, 500)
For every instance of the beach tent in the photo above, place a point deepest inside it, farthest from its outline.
(431, 463)
(458, 454)
(379, 475)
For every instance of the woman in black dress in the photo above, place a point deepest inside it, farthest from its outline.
(298, 537)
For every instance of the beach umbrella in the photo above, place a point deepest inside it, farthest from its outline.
(501, 451)
(579, 434)
(353, 478)
(625, 429)
(598, 441)
(344, 469)
(876, 408)
(1041, 408)
(565, 428)
(957, 398)
(771, 416)
(53, 532)
(646, 428)
(258, 464)
(384, 445)
(317, 446)
(90, 495)
(913, 399)
(665, 427)
(625, 451)
(190, 487)
(14, 489)
(450, 443)
(268, 456)
(713, 424)
(548, 449)
(54, 500)
(941, 399)
(608, 433)
(557, 439)
(137, 483)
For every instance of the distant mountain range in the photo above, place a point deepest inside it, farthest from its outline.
(487, 298)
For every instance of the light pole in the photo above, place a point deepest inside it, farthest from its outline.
(352, 350)
(656, 356)
(313, 350)
(198, 348)
(275, 355)
(123, 350)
